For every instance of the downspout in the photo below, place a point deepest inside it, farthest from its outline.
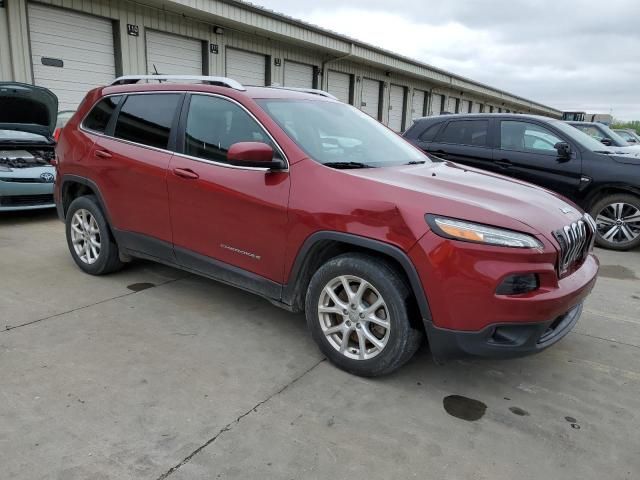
(324, 64)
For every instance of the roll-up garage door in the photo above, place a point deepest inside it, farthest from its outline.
(247, 68)
(371, 98)
(170, 54)
(418, 104)
(475, 107)
(298, 75)
(396, 108)
(436, 104)
(452, 103)
(71, 53)
(465, 106)
(339, 85)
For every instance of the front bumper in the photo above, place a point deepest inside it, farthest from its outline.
(501, 340)
(23, 190)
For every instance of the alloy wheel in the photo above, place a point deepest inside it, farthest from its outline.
(354, 317)
(85, 236)
(619, 223)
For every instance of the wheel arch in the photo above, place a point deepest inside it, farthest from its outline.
(74, 186)
(322, 246)
(608, 189)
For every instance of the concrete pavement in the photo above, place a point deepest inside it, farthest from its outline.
(190, 379)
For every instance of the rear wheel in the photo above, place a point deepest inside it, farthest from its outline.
(89, 238)
(618, 221)
(357, 310)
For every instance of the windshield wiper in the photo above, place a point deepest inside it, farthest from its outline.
(347, 165)
(416, 162)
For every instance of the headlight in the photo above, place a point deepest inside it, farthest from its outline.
(475, 232)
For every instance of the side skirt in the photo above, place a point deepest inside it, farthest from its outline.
(142, 246)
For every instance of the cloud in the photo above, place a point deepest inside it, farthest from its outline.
(570, 54)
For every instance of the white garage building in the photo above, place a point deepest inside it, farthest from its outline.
(71, 46)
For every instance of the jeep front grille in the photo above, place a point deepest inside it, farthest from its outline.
(576, 241)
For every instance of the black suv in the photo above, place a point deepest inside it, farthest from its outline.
(602, 180)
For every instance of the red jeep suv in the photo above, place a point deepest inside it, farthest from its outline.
(319, 208)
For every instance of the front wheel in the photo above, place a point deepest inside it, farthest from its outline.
(357, 309)
(618, 221)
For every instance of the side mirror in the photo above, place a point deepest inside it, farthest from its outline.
(253, 154)
(564, 149)
(606, 141)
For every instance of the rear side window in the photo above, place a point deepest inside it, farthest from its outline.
(147, 119)
(430, 133)
(466, 132)
(214, 124)
(99, 117)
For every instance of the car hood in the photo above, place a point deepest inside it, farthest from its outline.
(28, 108)
(476, 195)
(630, 156)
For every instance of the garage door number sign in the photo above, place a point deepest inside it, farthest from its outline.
(133, 30)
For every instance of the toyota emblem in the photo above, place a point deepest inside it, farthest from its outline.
(47, 177)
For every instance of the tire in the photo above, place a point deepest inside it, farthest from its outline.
(85, 215)
(394, 345)
(615, 211)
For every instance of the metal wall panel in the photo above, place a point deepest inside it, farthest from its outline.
(80, 46)
(396, 108)
(247, 68)
(370, 102)
(171, 54)
(339, 85)
(248, 27)
(298, 75)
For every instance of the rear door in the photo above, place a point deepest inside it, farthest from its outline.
(464, 141)
(130, 166)
(226, 217)
(526, 150)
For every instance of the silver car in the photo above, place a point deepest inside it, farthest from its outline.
(27, 121)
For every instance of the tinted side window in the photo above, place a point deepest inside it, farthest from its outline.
(527, 137)
(430, 133)
(466, 132)
(147, 119)
(99, 117)
(214, 124)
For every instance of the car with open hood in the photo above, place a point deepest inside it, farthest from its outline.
(317, 207)
(27, 121)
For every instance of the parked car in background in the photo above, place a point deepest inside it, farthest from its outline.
(602, 180)
(629, 135)
(27, 121)
(601, 133)
(318, 207)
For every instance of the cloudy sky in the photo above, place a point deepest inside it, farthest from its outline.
(569, 54)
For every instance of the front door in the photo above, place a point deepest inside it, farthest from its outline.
(227, 221)
(527, 152)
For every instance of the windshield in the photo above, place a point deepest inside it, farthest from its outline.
(584, 139)
(18, 136)
(336, 133)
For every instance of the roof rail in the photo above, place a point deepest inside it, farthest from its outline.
(219, 81)
(313, 91)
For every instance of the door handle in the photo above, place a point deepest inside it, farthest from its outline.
(186, 173)
(102, 154)
(503, 163)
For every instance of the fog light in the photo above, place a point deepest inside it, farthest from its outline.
(516, 284)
